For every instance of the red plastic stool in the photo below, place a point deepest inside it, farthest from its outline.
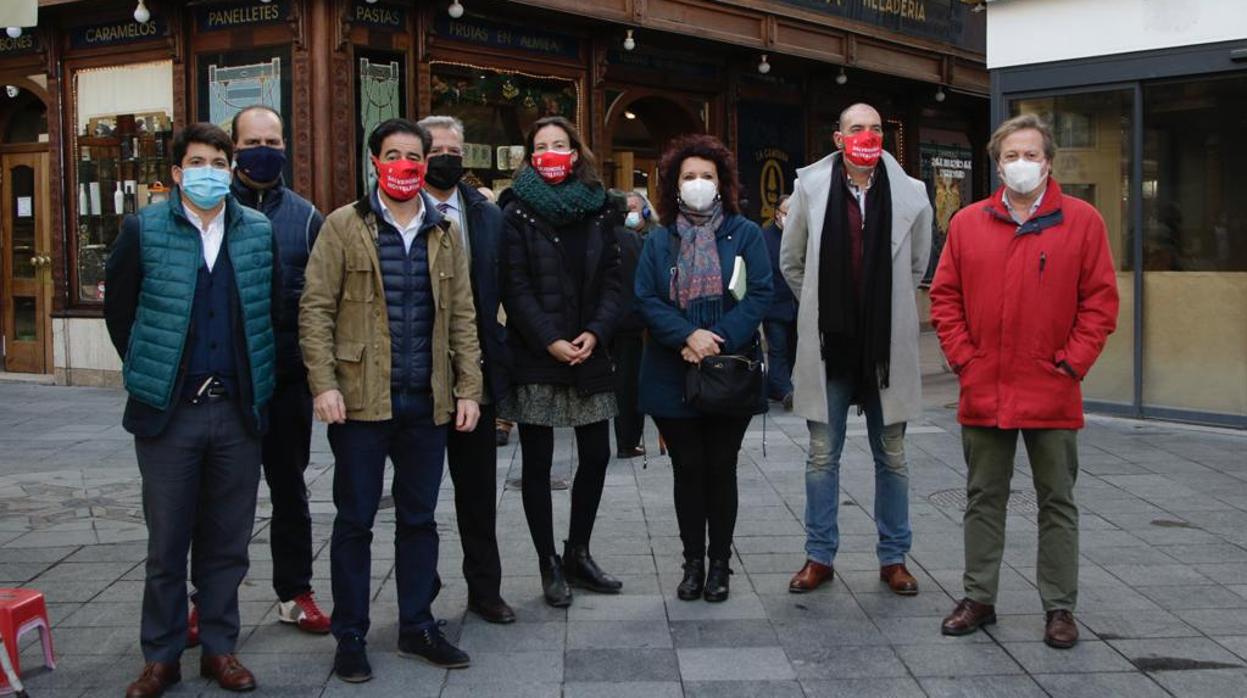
(23, 610)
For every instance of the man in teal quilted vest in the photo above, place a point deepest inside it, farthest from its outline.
(193, 288)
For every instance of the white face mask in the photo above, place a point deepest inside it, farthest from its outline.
(1022, 176)
(698, 194)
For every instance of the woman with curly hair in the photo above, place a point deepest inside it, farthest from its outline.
(562, 294)
(682, 289)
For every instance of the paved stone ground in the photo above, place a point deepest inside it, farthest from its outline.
(1163, 582)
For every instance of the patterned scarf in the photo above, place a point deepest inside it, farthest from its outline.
(566, 202)
(697, 285)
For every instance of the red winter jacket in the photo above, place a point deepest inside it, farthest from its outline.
(1023, 312)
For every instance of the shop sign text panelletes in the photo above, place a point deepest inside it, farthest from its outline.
(481, 31)
(114, 33)
(225, 16)
(379, 15)
(948, 21)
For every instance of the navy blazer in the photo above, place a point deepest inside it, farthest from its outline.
(484, 220)
(662, 367)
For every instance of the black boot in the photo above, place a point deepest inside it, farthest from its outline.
(694, 579)
(553, 584)
(583, 572)
(717, 581)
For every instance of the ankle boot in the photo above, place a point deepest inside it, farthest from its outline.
(717, 581)
(583, 572)
(554, 584)
(694, 579)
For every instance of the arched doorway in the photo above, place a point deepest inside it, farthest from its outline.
(640, 124)
(26, 256)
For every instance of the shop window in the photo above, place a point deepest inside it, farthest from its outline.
(380, 94)
(497, 108)
(1093, 134)
(121, 144)
(1195, 245)
(230, 82)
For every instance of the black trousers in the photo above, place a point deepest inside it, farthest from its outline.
(703, 461)
(286, 452)
(629, 425)
(473, 458)
(537, 455)
(199, 488)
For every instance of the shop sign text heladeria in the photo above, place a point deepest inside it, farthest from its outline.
(948, 21)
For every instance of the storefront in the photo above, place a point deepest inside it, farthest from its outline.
(1150, 129)
(99, 95)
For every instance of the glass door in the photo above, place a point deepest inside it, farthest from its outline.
(27, 263)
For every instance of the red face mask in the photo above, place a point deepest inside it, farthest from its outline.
(554, 166)
(863, 148)
(399, 179)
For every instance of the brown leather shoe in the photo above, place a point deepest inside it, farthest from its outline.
(899, 580)
(1061, 631)
(967, 618)
(811, 577)
(228, 672)
(157, 677)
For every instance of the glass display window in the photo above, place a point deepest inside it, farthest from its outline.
(497, 107)
(232, 81)
(121, 144)
(380, 94)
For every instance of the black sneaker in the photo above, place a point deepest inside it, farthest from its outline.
(431, 646)
(351, 661)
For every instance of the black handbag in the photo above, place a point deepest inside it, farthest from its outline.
(727, 384)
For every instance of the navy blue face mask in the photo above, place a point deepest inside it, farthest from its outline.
(262, 164)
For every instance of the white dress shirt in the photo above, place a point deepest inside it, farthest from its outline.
(213, 235)
(453, 210)
(408, 232)
(1004, 198)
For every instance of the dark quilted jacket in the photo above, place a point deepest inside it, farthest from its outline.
(543, 303)
(408, 304)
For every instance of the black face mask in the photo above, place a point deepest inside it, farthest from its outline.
(444, 171)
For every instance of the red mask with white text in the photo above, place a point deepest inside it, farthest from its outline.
(863, 148)
(399, 179)
(554, 166)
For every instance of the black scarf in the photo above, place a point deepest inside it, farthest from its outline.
(856, 329)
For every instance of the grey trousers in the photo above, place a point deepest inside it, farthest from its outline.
(199, 489)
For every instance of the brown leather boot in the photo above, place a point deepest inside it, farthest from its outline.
(227, 671)
(967, 618)
(1061, 631)
(811, 577)
(157, 677)
(899, 580)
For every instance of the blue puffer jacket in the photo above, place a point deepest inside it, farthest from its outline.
(408, 301)
(662, 368)
(296, 223)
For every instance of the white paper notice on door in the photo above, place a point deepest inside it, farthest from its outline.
(23, 207)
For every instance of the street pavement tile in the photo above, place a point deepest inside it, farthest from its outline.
(1188, 654)
(828, 631)
(1191, 597)
(923, 630)
(1218, 621)
(1123, 625)
(15, 573)
(740, 605)
(816, 604)
(844, 662)
(511, 690)
(517, 637)
(618, 689)
(1199, 684)
(1237, 645)
(629, 634)
(282, 638)
(742, 689)
(728, 664)
(1086, 657)
(863, 688)
(1100, 685)
(99, 614)
(983, 687)
(590, 606)
(509, 667)
(621, 665)
(969, 659)
(1140, 576)
(723, 633)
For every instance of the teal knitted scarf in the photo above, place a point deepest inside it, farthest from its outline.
(566, 202)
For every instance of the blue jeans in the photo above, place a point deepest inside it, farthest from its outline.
(822, 480)
(781, 350)
(418, 450)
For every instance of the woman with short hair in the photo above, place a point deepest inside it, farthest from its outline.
(682, 288)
